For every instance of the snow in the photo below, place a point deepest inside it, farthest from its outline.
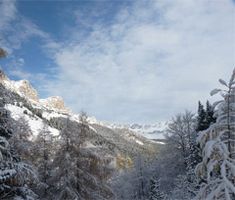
(35, 123)
(7, 171)
(53, 114)
(139, 142)
(90, 127)
(158, 142)
(6, 174)
(14, 85)
(89, 145)
(9, 85)
(134, 138)
(149, 131)
(17, 112)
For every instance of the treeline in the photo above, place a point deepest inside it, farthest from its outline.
(197, 160)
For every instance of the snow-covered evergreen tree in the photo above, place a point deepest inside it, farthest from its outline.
(155, 191)
(181, 190)
(190, 180)
(217, 170)
(15, 175)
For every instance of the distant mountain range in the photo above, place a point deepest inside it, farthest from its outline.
(150, 131)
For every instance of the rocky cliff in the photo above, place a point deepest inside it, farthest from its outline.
(27, 91)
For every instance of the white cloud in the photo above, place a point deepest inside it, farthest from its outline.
(155, 59)
(149, 61)
(7, 13)
(15, 29)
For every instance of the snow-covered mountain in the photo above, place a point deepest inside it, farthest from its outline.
(26, 91)
(150, 131)
(108, 140)
(55, 107)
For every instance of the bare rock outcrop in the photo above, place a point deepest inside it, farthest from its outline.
(54, 102)
(27, 90)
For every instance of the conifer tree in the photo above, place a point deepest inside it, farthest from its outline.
(205, 117)
(210, 118)
(217, 170)
(201, 118)
(155, 192)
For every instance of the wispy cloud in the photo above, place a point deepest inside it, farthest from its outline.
(138, 61)
(15, 30)
(7, 13)
(152, 60)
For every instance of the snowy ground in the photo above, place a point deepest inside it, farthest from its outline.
(35, 123)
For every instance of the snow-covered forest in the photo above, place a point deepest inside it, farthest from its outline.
(71, 157)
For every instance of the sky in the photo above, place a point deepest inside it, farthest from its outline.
(123, 60)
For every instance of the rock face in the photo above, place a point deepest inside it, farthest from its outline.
(26, 89)
(22, 87)
(54, 103)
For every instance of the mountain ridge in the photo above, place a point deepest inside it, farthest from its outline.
(56, 106)
(104, 138)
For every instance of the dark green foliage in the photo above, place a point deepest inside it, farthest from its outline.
(210, 119)
(205, 117)
(201, 118)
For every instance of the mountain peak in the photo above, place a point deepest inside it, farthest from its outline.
(26, 90)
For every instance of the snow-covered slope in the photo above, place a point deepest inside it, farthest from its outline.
(54, 107)
(35, 123)
(106, 139)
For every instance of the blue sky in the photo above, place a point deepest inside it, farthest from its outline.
(121, 61)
